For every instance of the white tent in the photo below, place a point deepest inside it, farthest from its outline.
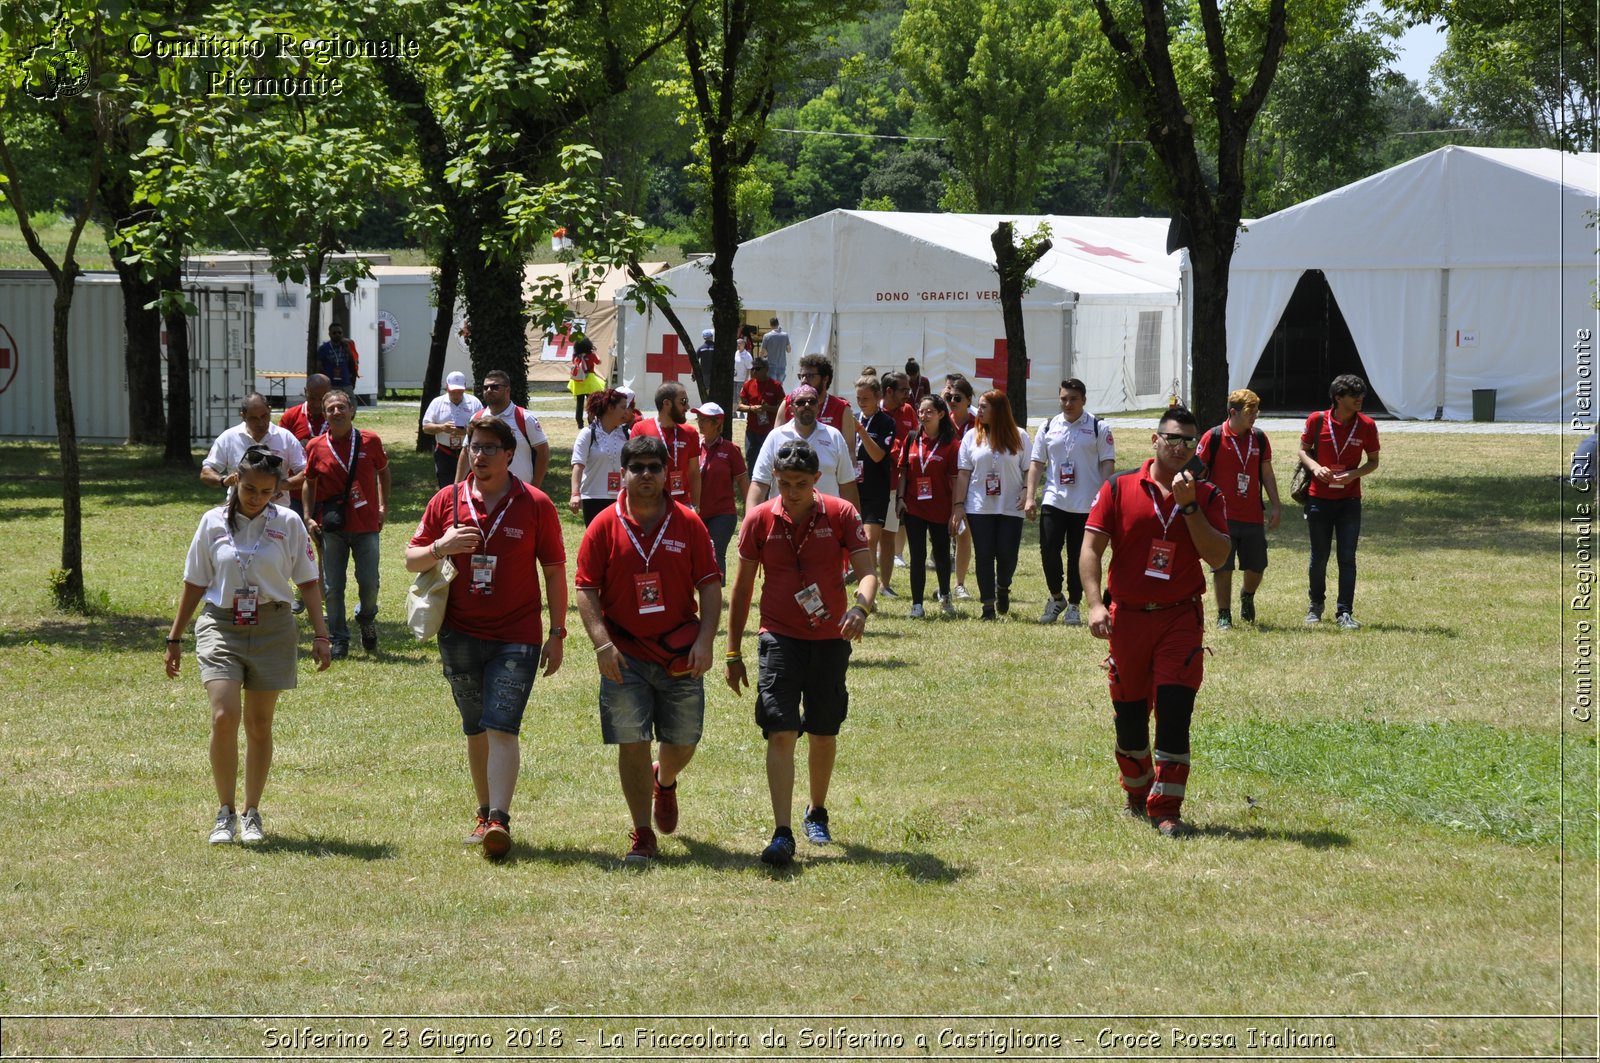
(875, 288)
(1463, 269)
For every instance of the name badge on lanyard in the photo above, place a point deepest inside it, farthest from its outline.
(483, 573)
(247, 598)
(675, 485)
(1243, 481)
(991, 485)
(1159, 564)
(1066, 474)
(810, 599)
(245, 607)
(614, 481)
(647, 593)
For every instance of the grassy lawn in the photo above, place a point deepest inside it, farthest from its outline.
(1418, 839)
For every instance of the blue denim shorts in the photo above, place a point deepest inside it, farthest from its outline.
(491, 681)
(650, 703)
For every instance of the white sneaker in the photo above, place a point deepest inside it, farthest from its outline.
(917, 612)
(947, 607)
(1053, 607)
(961, 592)
(1072, 618)
(899, 562)
(226, 828)
(250, 832)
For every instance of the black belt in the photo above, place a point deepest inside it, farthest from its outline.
(1156, 607)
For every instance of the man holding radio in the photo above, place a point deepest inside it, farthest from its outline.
(641, 566)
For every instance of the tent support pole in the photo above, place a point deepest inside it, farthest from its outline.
(1444, 325)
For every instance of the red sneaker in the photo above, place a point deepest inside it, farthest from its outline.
(475, 836)
(665, 803)
(644, 847)
(496, 839)
(1174, 828)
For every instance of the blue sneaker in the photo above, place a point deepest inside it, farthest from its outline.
(780, 850)
(816, 826)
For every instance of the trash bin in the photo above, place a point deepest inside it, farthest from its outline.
(1483, 403)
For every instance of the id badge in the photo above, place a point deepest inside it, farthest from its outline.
(614, 481)
(1159, 566)
(924, 488)
(1243, 480)
(483, 573)
(357, 499)
(1334, 486)
(810, 599)
(991, 485)
(647, 593)
(675, 482)
(1066, 474)
(245, 607)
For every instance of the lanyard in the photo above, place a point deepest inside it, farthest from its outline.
(246, 560)
(627, 527)
(924, 454)
(816, 511)
(1338, 448)
(1250, 449)
(1155, 502)
(472, 511)
(343, 464)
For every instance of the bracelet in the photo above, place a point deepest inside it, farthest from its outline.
(731, 656)
(174, 642)
(864, 607)
(433, 548)
(603, 648)
(322, 638)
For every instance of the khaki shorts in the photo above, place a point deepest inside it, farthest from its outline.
(262, 656)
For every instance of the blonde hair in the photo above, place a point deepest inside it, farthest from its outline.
(1243, 399)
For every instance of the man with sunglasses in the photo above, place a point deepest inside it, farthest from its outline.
(346, 499)
(642, 564)
(671, 426)
(1073, 454)
(529, 462)
(759, 400)
(1160, 523)
(836, 459)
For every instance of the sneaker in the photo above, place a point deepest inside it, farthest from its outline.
(899, 562)
(1224, 622)
(947, 607)
(988, 613)
(1053, 608)
(887, 591)
(1071, 617)
(643, 848)
(339, 651)
(369, 636)
(1314, 616)
(780, 850)
(1174, 828)
(479, 828)
(1002, 601)
(226, 827)
(816, 826)
(664, 803)
(250, 832)
(1247, 608)
(1348, 622)
(961, 593)
(917, 612)
(496, 838)
(1134, 808)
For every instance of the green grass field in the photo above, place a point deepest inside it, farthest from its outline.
(1421, 842)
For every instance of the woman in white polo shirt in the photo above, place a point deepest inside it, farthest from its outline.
(992, 469)
(244, 564)
(597, 454)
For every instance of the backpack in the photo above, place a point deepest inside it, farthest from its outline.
(1210, 441)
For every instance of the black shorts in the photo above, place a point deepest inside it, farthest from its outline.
(874, 502)
(1249, 548)
(795, 670)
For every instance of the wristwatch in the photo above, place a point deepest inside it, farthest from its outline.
(558, 632)
(1190, 508)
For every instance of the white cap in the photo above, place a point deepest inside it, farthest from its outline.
(456, 382)
(627, 393)
(707, 333)
(710, 409)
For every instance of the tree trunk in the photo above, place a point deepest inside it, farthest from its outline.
(1012, 265)
(69, 580)
(492, 287)
(141, 323)
(1209, 261)
(179, 401)
(443, 320)
(313, 313)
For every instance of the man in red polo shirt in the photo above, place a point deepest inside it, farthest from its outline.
(641, 565)
(1160, 524)
(346, 499)
(1238, 459)
(800, 538)
(671, 426)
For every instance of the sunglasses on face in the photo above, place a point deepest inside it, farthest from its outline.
(488, 450)
(494, 387)
(804, 402)
(640, 468)
(808, 376)
(1177, 439)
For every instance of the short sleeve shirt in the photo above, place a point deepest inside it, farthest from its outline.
(275, 543)
(833, 460)
(760, 393)
(442, 411)
(610, 562)
(297, 420)
(1071, 452)
(720, 465)
(874, 475)
(521, 535)
(600, 454)
(1235, 464)
(683, 444)
(529, 434)
(1339, 447)
(798, 555)
(328, 464)
(927, 477)
(1130, 510)
(228, 450)
(998, 479)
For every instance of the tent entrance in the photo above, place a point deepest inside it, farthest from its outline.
(1311, 345)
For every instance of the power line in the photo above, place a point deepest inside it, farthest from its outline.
(864, 136)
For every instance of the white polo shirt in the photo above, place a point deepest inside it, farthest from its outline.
(1011, 471)
(442, 411)
(835, 462)
(275, 543)
(522, 460)
(225, 454)
(1073, 451)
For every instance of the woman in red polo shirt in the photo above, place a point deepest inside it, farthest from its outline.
(722, 479)
(927, 473)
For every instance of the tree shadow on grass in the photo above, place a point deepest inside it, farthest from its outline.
(1330, 629)
(886, 663)
(1311, 839)
(122, 633)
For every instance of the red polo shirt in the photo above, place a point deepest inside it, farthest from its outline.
(609, 562)
(327, 461)
(771, 537)
(297, 421)
(1229, 457)
(906, 427)
(935, 462)
(683, 444)
(760, 393)
(1339, 446)
(720, 465)
(1134, 519)
(522, 535)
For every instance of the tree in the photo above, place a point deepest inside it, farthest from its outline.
(993, 75)
(1012, 261)
(1248, 37)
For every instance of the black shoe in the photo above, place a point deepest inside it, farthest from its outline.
(369, 636)
(780, 851)
(988, 613)
(339, 651)
(1002, 601)
(1247, 608)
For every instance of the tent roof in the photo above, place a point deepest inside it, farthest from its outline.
(1454, 207)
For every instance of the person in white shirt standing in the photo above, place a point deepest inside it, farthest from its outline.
(1075, 454)
(992, 469)
(446, 420)
(836, 462)
(221, 467)
(532, 455)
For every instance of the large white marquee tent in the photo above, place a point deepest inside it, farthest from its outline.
(875, 288)
(1463, 269)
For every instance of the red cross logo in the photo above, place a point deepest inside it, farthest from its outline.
(8, 359)
(995, 368)
(562, 341)
(384, 332)
(669, 362)
(1108, 252)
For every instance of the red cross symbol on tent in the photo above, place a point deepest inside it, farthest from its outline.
(384, 332)
(1108, 252)
(669, 361)
(995, 368)
(562, 342)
